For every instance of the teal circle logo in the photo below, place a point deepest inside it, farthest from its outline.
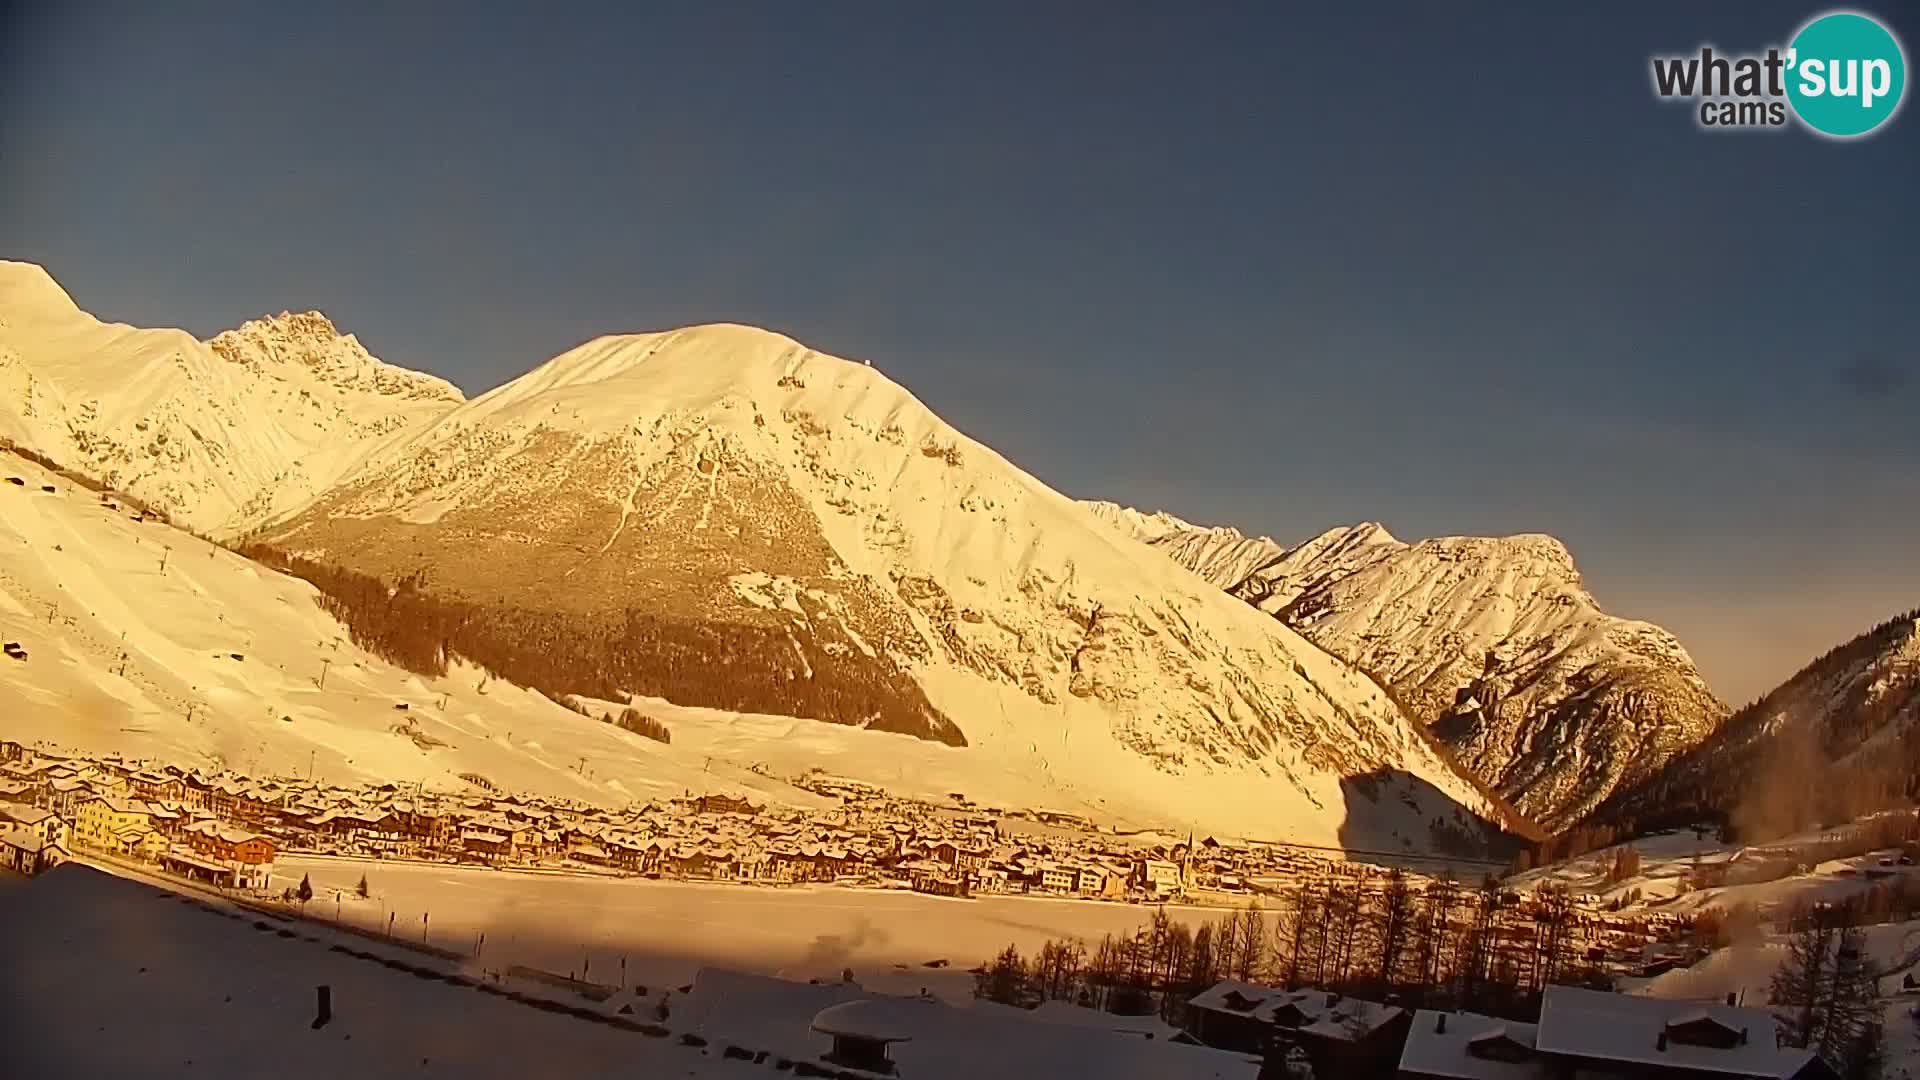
(1846, 74)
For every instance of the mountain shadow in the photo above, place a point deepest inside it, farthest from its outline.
(1393, 815)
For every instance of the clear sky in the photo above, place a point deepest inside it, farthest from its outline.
(1449, 267)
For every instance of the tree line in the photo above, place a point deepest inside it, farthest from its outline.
(1438, 946)
(1449, 947)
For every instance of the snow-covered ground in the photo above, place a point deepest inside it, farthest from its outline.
(1745, 968)
(667, 930)
(1674, 865)
(108, 977)
(215, 660)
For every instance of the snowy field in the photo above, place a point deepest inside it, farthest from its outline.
(667, 929)
(111, 978)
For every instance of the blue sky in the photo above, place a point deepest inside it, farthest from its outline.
(1454, 270)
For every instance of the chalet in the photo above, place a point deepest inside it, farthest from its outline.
(167, 820)
(1468, 1046)
(632, 854)
(157, 787)
(1604, 1036)
(119, 826)
(1341, 1036)
(224, 796)
(928, 1039)
(49, 826)
(229, 857)
(931, 878)
(421, 824)
(589, 853)
(1156, 877)
(259, 805)
(487, 843)
(704, 862)
(955, 857)
(1058, 877)
(65, 794)
(196, 791)
(232, 845)
(24, 850)
(809, 862)
(724, 804)
(375, 828)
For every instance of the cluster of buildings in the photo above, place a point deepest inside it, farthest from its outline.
(226, 827)
(53, 806)
(1241, 1030)
(1581, 1032)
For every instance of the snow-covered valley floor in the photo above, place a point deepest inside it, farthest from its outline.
(667, 930)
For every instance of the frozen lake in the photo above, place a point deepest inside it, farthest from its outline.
(667, 929)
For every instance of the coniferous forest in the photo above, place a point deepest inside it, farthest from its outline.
(711, 663)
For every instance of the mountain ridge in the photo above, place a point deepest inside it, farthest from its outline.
(221, 434)
(1854, 708)
(732, 516)
(1494, 642)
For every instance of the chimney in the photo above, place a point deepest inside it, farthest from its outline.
(1732, 1000)
(1440, 1025)
(1743, 1036)
(1332, 1000)
(1661, 1043)
(325, 1004)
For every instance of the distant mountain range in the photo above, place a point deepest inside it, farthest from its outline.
(722, 518)
(1492, 642)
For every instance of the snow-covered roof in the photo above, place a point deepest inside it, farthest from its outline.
(1328, 1015)
(19, 836)
(24, 814)
(1628, 1028)
(759, 1012)
(1451, 1053)
(931, 1040)
(1070, 1015)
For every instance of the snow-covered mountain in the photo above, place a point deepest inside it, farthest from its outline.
(1492, 641)
(219, 434)
(727, 520)
(1853, 713)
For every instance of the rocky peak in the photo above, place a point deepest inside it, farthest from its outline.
(1494, 641)
(309, 340)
